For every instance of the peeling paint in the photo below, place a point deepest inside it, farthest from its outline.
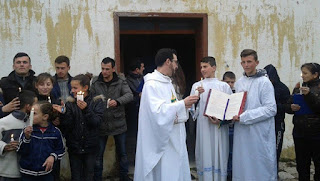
(288, 153)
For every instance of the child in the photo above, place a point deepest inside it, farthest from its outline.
(212, 141)
(81, 120)
(230, 78)
(40, 145)
(44, 85)
(12, 125)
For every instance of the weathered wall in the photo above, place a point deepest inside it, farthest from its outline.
(285, 33)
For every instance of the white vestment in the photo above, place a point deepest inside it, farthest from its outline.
(161, 153)
(254, 144)
(212, 142)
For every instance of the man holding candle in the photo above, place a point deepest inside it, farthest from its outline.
(212, 140)
(21, 78)
(10, 129)
(161, 147)
(118, 93)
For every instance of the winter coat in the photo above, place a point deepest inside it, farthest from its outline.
(10, 85)
(81, 126)
(307, 126)
(38, 148)
(114, 120)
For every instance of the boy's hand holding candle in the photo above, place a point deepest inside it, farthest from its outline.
(81, 104)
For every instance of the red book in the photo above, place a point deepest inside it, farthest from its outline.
(224, 106)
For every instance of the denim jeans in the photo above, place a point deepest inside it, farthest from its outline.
(82, 166)
(120, 141)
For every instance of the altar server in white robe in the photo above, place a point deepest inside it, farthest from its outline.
(212, 140)
(161, 153)
(254, 155)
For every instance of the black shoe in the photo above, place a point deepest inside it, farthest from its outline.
(125, 178)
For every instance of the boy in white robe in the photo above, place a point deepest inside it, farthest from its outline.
(212, 140)
(254, 155)
(161, 145)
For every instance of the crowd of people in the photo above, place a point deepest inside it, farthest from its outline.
(38, 112)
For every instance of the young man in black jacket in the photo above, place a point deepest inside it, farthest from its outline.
(117, 93)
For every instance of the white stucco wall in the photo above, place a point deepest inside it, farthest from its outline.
(284, 33)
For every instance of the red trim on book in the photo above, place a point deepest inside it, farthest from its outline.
(243, 103)
(205, 109)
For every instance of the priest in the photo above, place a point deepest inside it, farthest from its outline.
(161, 145)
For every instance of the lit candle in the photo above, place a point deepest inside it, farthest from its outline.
(301, 82)
(31, 116)
(80, 95)
(201, 80)
(49, 99)
(12, 139)
(108, 102)
(196, 92)
(19, 89)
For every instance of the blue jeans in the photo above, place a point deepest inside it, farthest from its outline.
(82, 166)
(120, 141)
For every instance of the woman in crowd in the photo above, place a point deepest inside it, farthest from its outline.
(305, 105)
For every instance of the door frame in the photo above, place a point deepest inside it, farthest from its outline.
(201, 33)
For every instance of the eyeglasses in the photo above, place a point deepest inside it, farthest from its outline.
(175, 60)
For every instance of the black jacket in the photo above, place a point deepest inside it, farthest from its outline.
(114, 120)
(282, 95)
(307, 126)
(10, 85)
(81, 127)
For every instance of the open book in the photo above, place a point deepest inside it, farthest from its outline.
(224, 106)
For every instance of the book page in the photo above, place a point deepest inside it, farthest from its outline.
(234, 105)
(216, 104)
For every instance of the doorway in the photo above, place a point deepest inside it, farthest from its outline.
(143, 34)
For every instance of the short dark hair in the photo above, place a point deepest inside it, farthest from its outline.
(312, 67)
(26, 97)
(46, 108)
(135, 64)
(210, 60)
(228, 74)
(21, 54)
(248, 52)
(163, 54)
(44, 76)
(84, 79)
(109, 60)
(61, 59)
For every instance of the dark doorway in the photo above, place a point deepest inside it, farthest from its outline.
(142, 34)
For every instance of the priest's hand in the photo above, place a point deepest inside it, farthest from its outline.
(188, 101)
(236, 118)
(295, 107)
(214, 120)
(200, 89)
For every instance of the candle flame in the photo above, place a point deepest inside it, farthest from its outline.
(80, 93)
(11, 135)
